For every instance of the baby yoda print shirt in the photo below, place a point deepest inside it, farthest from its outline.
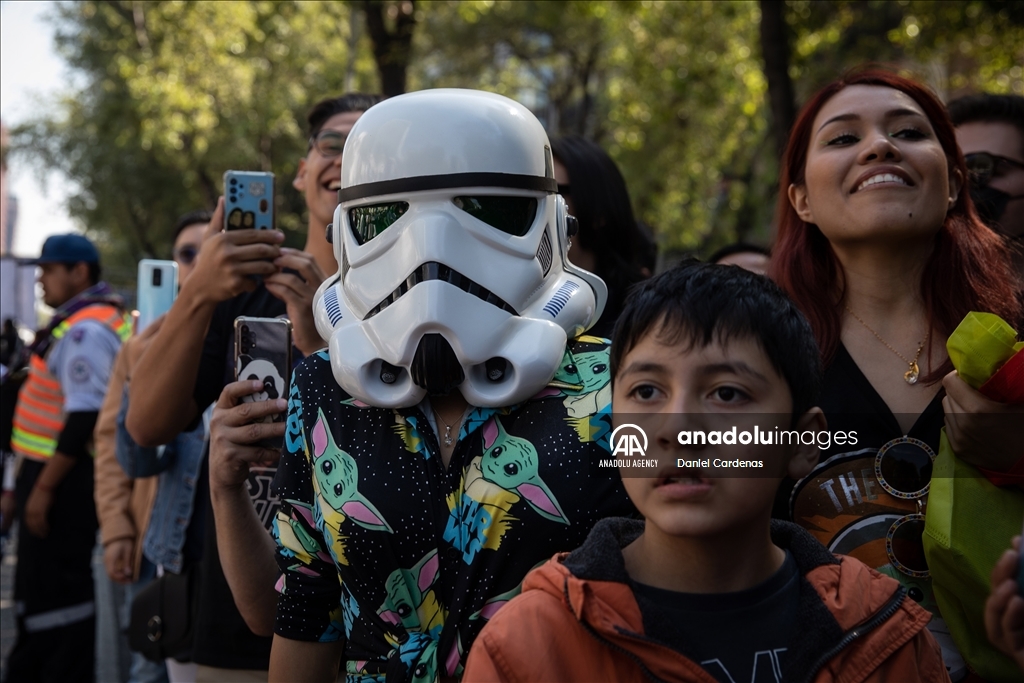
(383, 547)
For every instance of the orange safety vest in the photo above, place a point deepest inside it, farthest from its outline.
(39, 416)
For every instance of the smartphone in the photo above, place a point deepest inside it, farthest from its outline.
(248, 200)
(263, 351)
(157, 290)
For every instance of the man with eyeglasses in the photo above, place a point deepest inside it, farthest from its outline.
(990, 132)
(192, 357)
(125, 505)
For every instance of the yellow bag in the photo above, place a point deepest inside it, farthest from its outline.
(969, 521)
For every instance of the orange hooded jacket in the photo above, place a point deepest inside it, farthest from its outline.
(578, 620)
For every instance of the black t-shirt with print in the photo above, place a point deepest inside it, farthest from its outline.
(843, 504)
(222, 639)
(427, 554)
(741, 636)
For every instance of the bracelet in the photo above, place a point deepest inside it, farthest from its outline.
(43, 487)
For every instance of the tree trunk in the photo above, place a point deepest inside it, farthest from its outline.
(775, 50)
(391, 49)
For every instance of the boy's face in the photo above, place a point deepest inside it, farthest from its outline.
(711, 388)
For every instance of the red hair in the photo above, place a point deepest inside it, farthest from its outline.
(968, 270)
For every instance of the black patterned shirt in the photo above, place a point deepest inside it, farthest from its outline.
(405, 560)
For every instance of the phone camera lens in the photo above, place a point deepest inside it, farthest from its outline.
(158, 277)
(245, 328)
(234, 181)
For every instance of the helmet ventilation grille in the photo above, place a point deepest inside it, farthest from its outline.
(544, 253)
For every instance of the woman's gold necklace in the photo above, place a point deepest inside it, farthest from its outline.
(911, 375)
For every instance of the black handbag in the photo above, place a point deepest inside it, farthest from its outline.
(163, 616)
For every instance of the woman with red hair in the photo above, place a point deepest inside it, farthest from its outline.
(880, 246)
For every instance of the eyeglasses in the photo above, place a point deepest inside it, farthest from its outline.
(903, 467)
(984, 166)
(329, 143)
(185, 255)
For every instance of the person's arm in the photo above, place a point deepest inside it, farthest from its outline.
(246, 549)
(309, 633)
(162, 403)
(300, 661)
(113, 488)
(37, 508)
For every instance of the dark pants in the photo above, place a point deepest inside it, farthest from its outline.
(53, 584)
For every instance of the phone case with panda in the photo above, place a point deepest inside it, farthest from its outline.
(263, 351)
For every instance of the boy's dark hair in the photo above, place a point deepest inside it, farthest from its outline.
(988, 108)
(738, 248)
(325, 109)
(191, 218)
(696, 302)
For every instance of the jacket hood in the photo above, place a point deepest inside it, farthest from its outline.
(837, 595)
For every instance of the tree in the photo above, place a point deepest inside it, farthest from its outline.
(775, 51)
(392, 48)
(175, 94)
(689, 98)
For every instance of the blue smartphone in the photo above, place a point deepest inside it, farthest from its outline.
(157, 290)
(248, 200)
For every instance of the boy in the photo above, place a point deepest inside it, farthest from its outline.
(708, 588)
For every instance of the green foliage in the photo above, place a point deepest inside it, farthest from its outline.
(175, 93)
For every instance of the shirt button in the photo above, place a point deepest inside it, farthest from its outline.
(453, 554)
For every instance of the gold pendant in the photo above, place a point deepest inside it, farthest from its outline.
(912, 374)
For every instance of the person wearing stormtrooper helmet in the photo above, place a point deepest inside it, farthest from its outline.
(447, 441)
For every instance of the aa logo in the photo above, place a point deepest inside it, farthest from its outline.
(629, 440)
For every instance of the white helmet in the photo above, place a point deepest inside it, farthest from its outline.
(451, 245)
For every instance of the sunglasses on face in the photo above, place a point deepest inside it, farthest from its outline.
(984, 166)
(903, 467)
(185, 255)
(329, 143)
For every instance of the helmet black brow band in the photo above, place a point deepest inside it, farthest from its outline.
(510, 181)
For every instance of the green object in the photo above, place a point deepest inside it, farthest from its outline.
(969, 521)
(979, 346)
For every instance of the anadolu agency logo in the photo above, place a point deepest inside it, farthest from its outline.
(629, 448)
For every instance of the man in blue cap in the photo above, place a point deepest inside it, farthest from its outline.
(57, 408)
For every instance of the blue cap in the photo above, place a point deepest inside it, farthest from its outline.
(70, 248)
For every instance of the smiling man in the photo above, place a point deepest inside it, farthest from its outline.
(191, 358)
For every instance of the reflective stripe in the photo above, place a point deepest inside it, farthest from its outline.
(60, 617)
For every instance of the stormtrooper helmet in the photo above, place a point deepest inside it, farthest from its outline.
(451, 243)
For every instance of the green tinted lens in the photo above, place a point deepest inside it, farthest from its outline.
(369, 221)
(512, 215)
